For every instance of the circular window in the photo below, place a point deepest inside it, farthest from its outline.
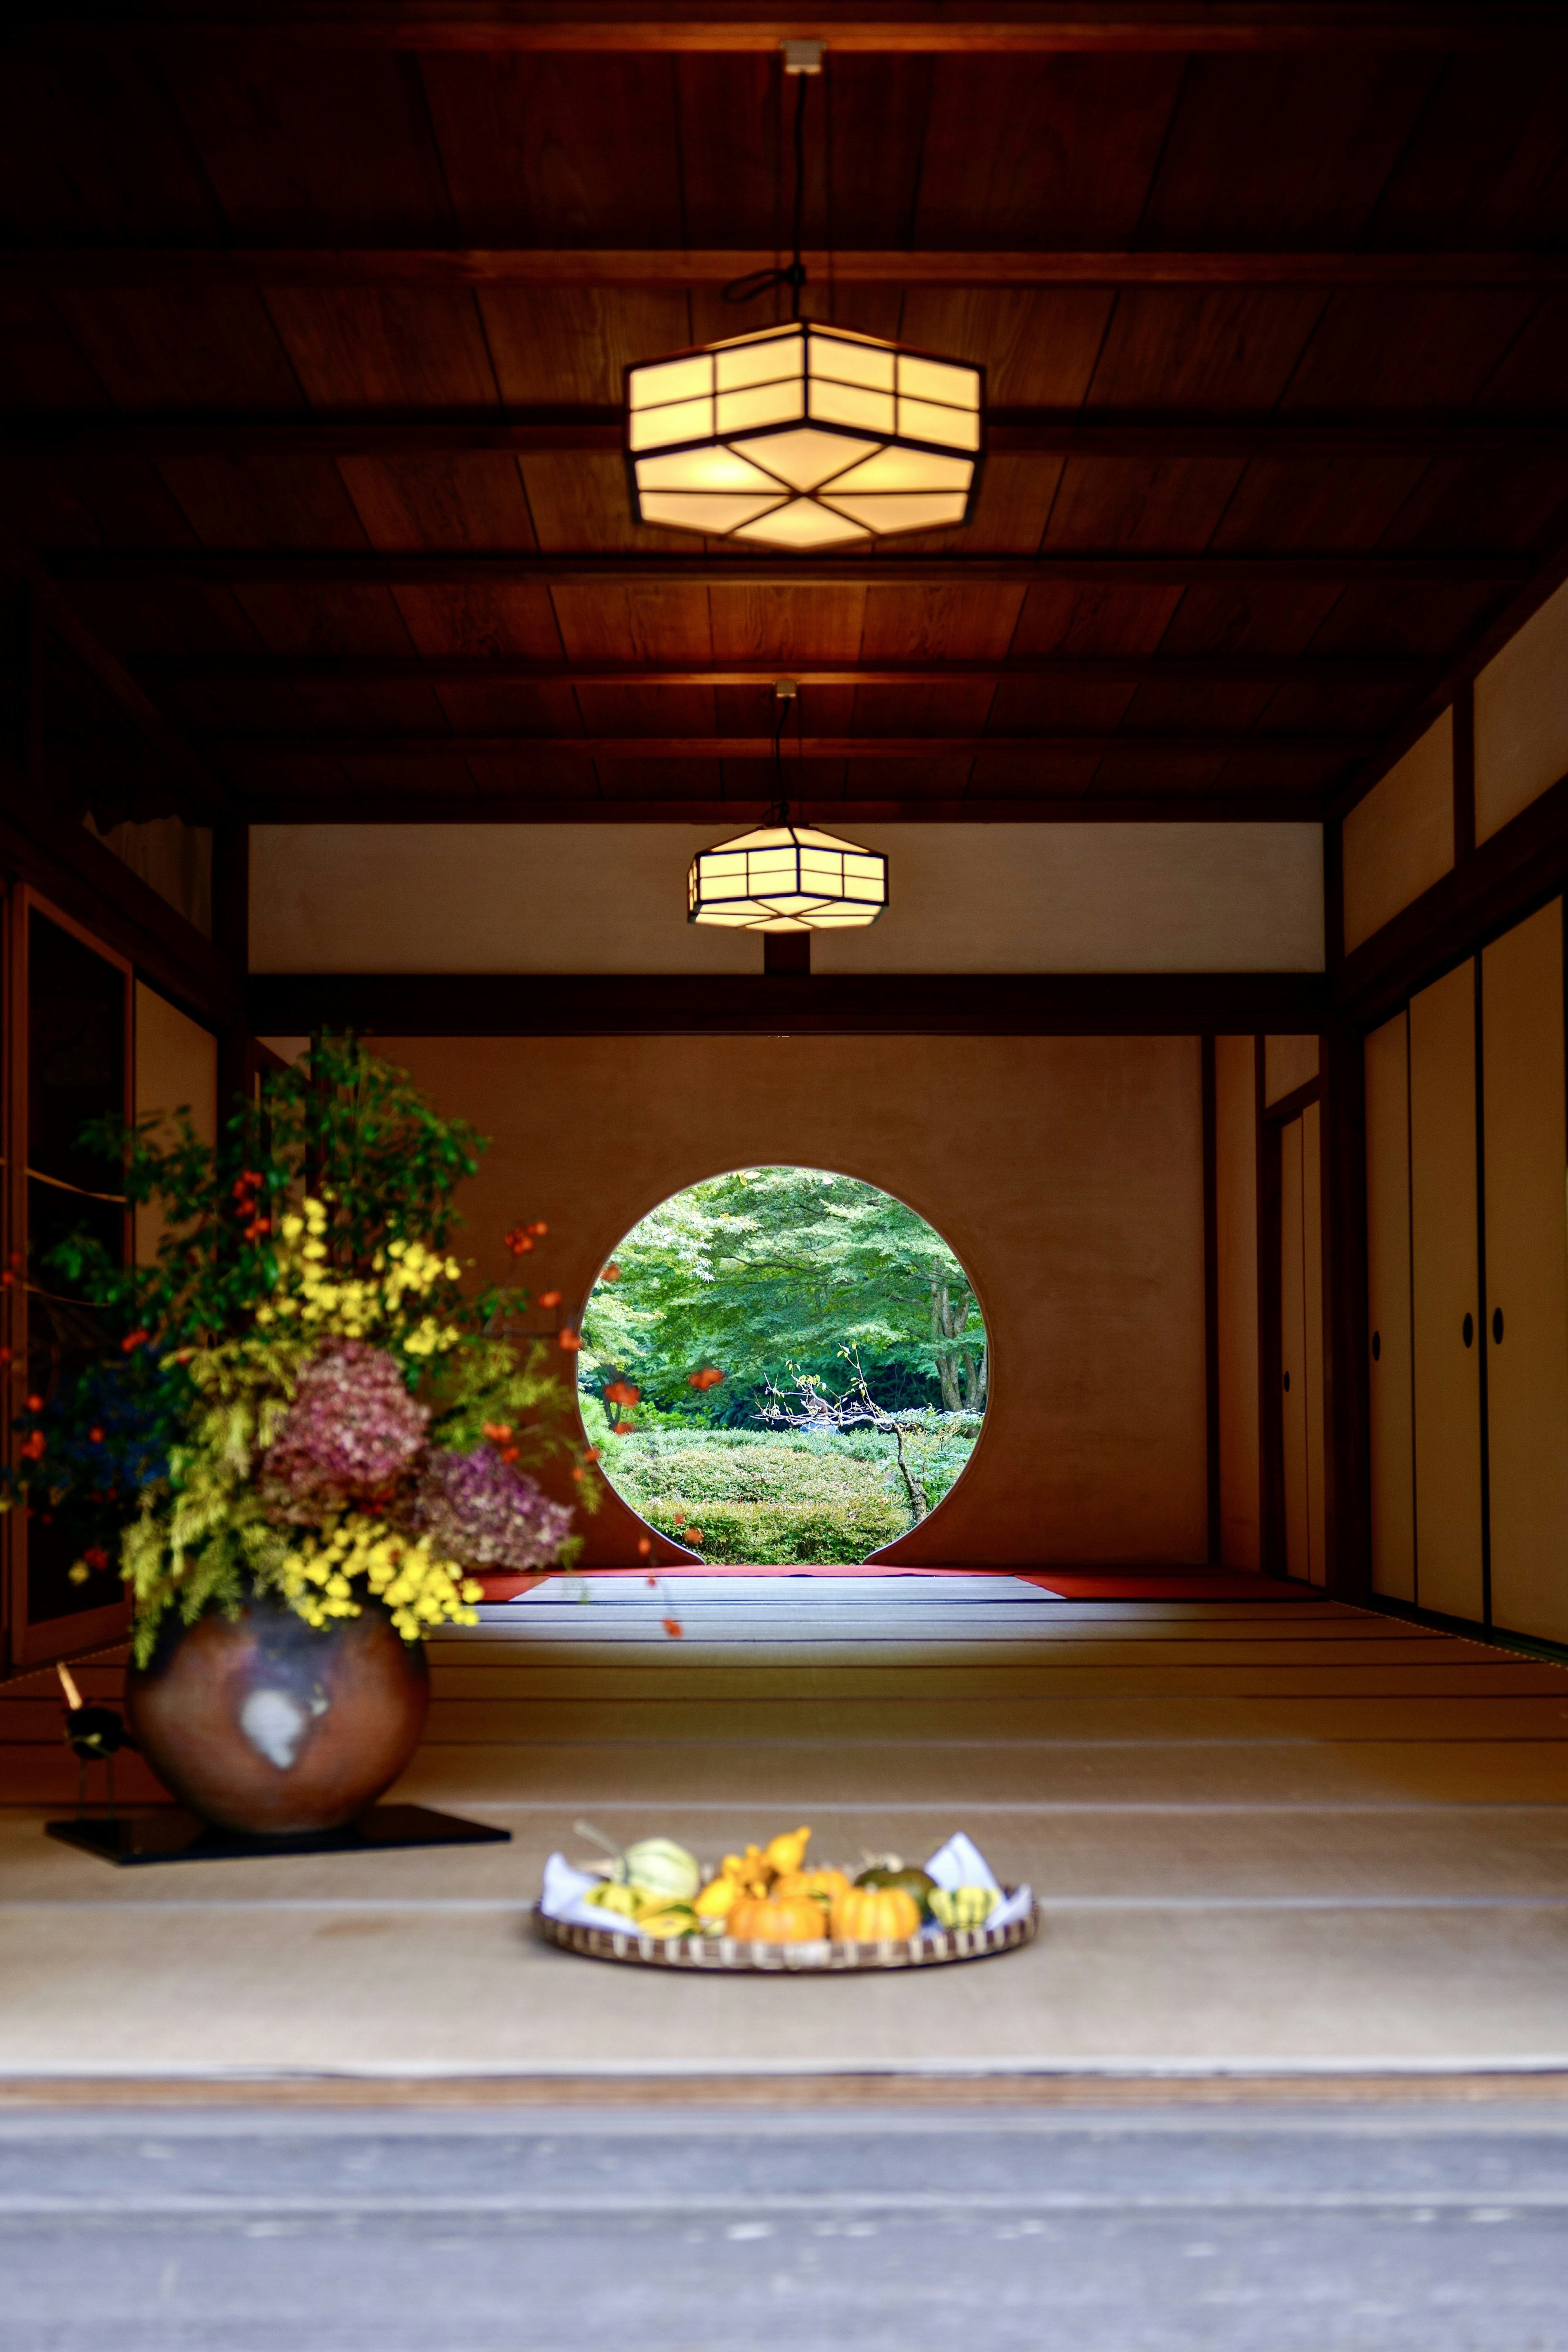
(783, 1366)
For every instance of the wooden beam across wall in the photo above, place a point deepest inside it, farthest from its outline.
(537, 1005)
(655, 266)
(331, 568)
(1010, 432)
(916, 28)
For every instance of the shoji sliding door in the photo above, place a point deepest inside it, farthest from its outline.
(1466, 1169)
(1387, 1065)
(1446, 1297)
(1525, 1123)
(1301, 1346)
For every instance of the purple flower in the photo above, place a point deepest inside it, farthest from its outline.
(481, 1512)
(351, 1430)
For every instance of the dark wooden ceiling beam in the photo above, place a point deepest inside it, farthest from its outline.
(1023, 669)
(906, 26)
(523, 432)
(320, 745)
(512, 808)
(330, 568)
(575, 267)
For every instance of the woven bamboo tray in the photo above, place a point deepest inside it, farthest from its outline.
(723, 1956)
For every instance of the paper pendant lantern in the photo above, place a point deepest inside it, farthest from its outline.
(804, 436)
(787, 878)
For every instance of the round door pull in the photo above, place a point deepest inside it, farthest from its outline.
(1496, 1325)
(1376, 1346)
(1287, 1380)
(1469, 1328)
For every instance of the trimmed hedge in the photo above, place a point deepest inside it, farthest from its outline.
(774, 1499)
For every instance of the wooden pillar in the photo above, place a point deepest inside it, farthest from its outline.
(231, 937)
(1346, 1404)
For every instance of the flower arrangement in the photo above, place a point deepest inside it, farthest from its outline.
(301, 1398)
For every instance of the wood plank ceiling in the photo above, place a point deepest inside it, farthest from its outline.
(315, 320)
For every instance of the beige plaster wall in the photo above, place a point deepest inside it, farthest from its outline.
(612, 899)
(1399, 840)
(1521, 718)
(1065, 1172)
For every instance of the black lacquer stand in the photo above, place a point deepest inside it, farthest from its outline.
(174, 1835)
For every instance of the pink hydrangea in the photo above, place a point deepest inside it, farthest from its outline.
(352, 1431)
(479, 1511)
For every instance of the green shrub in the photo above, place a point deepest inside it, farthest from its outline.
(784, 1498)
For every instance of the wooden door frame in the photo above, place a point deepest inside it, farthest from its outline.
(89, 1629)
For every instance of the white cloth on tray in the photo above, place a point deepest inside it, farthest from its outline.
(959, 1863)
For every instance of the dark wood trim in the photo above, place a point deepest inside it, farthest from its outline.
(1464, 771)
(786, 954)
(1108, 670)
(253, 745)
(331, 568)
(1333, 894)
(1270, 1426)
(201, 795)
(1347, 1458)
(1010, 28)
(231, 938)
(1210, 1112)
(1483, 1307)
(1519, 868)
(552, 808)
(1291, 1106)
(525, 1004)
(577, 266)
(556, 427)
(98, 890)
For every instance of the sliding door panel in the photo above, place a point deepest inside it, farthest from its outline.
(1388, 1309)
(1527, 1274)
(1293, 1351)
(1312, 1306)
(1446, 1296)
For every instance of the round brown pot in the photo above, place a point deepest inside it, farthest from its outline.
(259, 1723)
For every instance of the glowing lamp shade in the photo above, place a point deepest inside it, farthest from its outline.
(785, 878)
(804, 436)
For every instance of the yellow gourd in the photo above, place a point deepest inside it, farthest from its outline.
(751, 1870)
(667, 1919)
(963, 1906)
(825, 1886)
(786, 1853)
(774, 1919)
(719, 1898)
(875, 1915)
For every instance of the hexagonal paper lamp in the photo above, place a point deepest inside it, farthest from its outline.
(804, 436)
(787, 878)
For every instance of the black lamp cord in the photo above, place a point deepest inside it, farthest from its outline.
(779, 813)
(792, 274)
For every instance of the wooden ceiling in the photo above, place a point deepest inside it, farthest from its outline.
(315, 320)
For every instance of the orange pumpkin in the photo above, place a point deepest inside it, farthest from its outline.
(825, 1886)
(875, 1915)
(776, 1919)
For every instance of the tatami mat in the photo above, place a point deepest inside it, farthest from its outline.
(1268, 1831)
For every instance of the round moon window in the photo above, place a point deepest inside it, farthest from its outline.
(783, 1366)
